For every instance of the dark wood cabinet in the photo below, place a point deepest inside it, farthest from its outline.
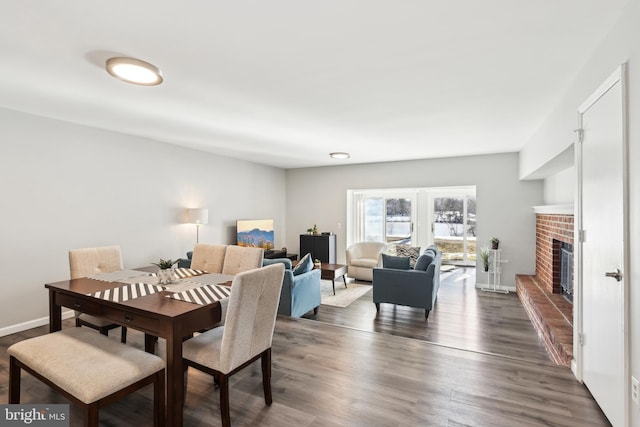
(273, 254)
(320, 246)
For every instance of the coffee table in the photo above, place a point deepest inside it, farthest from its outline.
(332, 272)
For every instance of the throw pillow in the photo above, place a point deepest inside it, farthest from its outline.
(413, 252)
(305, 265)
(397, 262)
(423, 261)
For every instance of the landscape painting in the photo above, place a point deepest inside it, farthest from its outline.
(256, 233)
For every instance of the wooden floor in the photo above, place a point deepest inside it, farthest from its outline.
(364, 375)
(464, 317)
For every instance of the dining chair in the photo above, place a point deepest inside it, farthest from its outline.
(208, 257)
(87, 368)
(246, 335)
(87, 262)
(242, 258)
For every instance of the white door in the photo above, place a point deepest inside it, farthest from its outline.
(603, 222)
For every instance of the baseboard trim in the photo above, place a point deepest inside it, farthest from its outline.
(502, 288)
(19, 327)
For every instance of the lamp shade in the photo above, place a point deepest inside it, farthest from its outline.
(197, 216)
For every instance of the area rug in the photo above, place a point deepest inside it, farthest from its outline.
(344, 296)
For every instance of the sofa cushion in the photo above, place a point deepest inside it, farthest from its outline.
(397, 262)
(423, 261)
(305, 265)
(364, 262)
(413, 252)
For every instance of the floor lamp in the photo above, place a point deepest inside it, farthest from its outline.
(197, 217)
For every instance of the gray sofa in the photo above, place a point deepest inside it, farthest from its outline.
(416, 287)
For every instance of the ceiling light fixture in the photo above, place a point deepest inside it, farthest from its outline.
(134, 71)
(339, 155)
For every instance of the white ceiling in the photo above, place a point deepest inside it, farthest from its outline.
(285, 82)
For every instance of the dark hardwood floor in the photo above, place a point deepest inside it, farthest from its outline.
(393, 371)
(464, 317)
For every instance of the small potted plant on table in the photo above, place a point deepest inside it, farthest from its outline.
(166, 273)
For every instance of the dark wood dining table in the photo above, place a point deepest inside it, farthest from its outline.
(155, 315)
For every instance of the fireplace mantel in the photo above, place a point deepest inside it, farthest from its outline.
(566, 209)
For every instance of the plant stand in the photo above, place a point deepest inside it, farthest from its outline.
(495, 272)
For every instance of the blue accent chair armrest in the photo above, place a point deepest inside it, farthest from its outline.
(300, 293)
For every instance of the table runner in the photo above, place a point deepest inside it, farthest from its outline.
(116, 276)
(183, 273)
(127, 292)
(203, 295)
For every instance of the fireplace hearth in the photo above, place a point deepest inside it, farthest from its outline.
(547, 296)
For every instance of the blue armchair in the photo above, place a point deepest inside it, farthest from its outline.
(300, 293)
(416, 287)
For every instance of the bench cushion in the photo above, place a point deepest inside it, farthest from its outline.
(84, 363)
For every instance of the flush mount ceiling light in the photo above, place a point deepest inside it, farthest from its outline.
(134, 71)
(339, 155)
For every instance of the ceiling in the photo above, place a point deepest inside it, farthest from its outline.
(285, 82)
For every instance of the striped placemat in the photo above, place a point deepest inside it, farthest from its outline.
(203, 295)
(183, 273)
(127, 292)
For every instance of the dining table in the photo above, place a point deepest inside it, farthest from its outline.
(156, 311)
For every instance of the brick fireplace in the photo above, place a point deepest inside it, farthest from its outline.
(550, 311)
(552, 230)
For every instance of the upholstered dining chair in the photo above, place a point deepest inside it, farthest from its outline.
(246, 335)
(242, 258)
(87, 262)
(87, 368)
(208, 257)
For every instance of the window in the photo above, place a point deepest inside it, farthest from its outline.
(418, 217)
(382, 216)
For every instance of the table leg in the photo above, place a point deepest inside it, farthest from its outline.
(344, 279)
(175, 380)
(150, 343)
(55, 313)
(333, 282)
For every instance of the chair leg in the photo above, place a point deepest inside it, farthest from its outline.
(14, 381)
(426, 313)
(91, 415)
(377, 306)
(123, 335)
(315, 310)
(266, 376)
(78, 324)
(224, 400)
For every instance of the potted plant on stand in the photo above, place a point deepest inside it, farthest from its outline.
(494, 242)
(485, 255)
(166, 273)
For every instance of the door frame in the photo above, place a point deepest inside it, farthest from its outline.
(618, 76)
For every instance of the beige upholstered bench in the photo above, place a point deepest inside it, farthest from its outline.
(89, 369)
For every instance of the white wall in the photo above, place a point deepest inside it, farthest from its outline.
(318, 196)
(560, 188)
(621, 45)
(67, 186)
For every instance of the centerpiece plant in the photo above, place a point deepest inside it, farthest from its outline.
(166, 274)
